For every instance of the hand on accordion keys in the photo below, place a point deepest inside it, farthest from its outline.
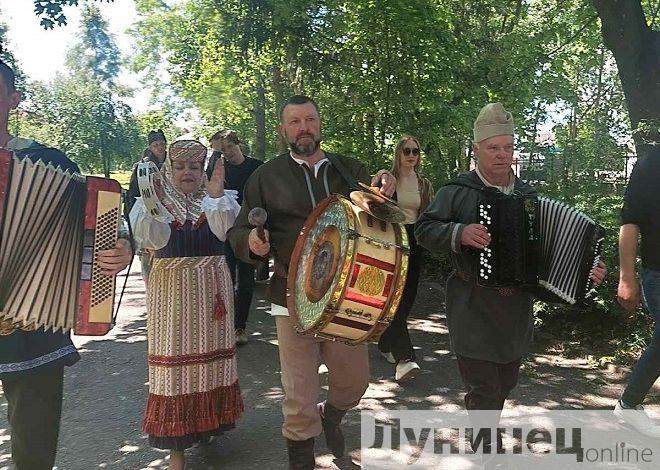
(476, 236)
(114, 260)
(599, 272)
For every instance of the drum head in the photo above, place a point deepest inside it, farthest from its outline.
(317, 262)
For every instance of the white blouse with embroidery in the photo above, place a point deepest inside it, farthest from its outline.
(154, 232)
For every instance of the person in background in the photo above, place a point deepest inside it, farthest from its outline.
(156, 152)
(413, 195)
(227, 150)
(639, 217)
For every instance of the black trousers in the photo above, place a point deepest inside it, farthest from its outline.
(488, 384)
(242, 277)
(34, 411)
(396, 338)
(263, 271)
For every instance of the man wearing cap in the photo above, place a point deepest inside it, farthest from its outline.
(155, 153)
(490, 328)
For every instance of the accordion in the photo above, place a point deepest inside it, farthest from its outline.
(540, 245)
(52, 224)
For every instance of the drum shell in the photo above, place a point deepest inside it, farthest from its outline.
(367, 290)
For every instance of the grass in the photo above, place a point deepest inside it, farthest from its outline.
(122, 177)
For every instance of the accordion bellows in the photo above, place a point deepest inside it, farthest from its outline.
(52, 223)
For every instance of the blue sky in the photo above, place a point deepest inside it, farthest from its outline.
(41, 53)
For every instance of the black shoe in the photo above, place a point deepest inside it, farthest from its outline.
(331, 422)
(301, 454)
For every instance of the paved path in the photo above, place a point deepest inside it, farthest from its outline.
(105, 393)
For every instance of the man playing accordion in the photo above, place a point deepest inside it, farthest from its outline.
(32, 359)
(490, 327)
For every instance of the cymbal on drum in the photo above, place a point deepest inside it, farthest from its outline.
(374, 203)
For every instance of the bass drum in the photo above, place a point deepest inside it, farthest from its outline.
(347, 273)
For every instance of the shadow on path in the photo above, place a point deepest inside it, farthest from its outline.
(105, 393)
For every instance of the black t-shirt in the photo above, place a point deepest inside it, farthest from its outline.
(641, 206)
(235, 175)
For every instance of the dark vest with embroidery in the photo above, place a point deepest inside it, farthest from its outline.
(191, 240)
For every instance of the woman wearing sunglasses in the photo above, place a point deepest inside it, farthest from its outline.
(413, 194)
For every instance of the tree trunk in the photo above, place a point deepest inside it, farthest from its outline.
(636, 48)
(278, 92)
(260, 121)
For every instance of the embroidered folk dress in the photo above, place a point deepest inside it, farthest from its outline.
(193, 382)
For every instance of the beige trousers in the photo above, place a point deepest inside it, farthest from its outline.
(300, 356)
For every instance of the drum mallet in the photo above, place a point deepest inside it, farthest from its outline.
(257, 218)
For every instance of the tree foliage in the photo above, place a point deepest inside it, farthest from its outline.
(96, 53)
(382, 68)
(51, 12)
(81, 112)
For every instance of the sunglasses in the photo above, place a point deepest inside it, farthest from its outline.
(408, 150)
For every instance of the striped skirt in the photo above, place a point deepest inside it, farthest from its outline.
(193, 383)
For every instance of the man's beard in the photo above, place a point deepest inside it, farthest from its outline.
(307, 149)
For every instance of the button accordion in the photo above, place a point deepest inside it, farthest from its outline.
(52, 224)
(540, 245)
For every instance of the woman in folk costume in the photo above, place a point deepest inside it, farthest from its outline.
(193, 385)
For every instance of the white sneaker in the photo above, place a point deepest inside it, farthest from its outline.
(638, 419)
(241, 337)
(406, 370)
(389, 357)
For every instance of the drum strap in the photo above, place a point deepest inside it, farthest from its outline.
(343, 171)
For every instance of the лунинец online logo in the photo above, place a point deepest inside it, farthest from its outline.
(566, 439)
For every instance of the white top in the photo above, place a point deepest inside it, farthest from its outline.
(18, 143)
(316, 167)
(508, 189)
(408, 198)
(150, 232)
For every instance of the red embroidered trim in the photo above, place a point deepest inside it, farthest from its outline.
(200, 221)
(192, 413)
(173, 361)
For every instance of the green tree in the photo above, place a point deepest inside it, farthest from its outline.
(636, 47)
(96, 53)
(51, 13)
(82, 112)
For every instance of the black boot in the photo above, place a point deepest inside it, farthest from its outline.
(331, 421)
(301, 454)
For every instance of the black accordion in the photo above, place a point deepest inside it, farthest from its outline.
(539, 245)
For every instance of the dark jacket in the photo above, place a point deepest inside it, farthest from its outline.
(280, 187)
(24, 351)
(484, 323)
